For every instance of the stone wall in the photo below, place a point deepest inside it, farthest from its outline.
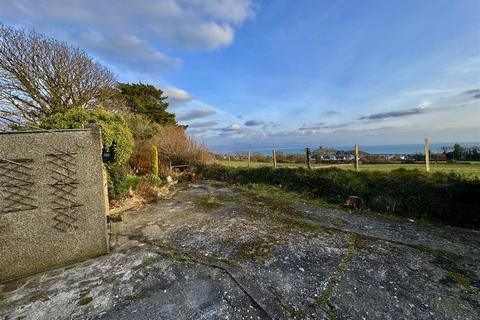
(52, 200)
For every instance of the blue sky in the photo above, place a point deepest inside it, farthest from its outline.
(259, 74)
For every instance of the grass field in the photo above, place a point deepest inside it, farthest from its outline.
(470, 168)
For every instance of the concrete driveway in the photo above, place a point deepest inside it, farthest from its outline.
(216, 252)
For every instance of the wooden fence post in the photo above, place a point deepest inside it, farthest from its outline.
(427, 155)
(356, 157)
(274, 156)
(249, 158)
(307, 155)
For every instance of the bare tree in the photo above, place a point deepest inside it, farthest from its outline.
(40, 76)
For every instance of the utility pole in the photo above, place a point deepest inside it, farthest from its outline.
(274, 156)
(307, 154)
(356, 157)
(249, 158)
(427, 155)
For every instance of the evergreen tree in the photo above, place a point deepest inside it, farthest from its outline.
(147, 100)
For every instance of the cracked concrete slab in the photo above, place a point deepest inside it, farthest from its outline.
(216, 252)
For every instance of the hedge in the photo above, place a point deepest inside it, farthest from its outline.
(116, 137)
(449, 198)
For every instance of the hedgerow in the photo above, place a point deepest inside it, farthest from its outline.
(448, 198)
(116, 138)
(115, 131)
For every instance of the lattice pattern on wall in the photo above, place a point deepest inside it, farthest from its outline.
(64, 199)
(16, 185)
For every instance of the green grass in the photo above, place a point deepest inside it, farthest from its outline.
(130, 182)
(471, 169)
(435, 197)
(238, 164)
(276, 192)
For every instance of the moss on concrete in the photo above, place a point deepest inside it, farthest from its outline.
(207, 203)
(461, 279)
(281, 193)
(147, 262)
(85, 300)
(257, 249)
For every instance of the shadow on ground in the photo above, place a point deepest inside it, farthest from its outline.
(215, 252)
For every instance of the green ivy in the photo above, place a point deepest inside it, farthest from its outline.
(114, 129)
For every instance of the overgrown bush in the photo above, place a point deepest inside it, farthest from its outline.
(173, 144)
(120, 184)
(147, 191)
(116, 137)
(115, 130)
(153, 180)
(449, 198)
(116, 176)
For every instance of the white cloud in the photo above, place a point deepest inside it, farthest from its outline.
(197, 36)
(176, 95)
(133, 33)
(204, 124)
(206, 24)
(127, 51)
(194, 114)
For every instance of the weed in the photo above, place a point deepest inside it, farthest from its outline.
(460, 279)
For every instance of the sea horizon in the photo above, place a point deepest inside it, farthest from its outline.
(373, 149)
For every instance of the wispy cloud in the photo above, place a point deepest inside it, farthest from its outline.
(312, 126)
(252, 123)
(176, 95)
(333, 113)
(475, 93)
(126, 51)
(233, 127)
(461, 100)
(426, 92)
(197, 131)
(394, 114)
(321, 125)
(194, 114)
(205, 124)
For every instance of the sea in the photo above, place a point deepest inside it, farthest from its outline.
(373, 149)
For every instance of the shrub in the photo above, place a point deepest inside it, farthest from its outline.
(153, 180)
(449, 198)
(173, 145)
(115, 131)
(116, 176)
(154, 161)
(149, 187)
(116, 137)
(147, 191)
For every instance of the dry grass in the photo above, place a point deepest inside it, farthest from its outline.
(174, 146)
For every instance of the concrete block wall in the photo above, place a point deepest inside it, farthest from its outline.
(52, 200)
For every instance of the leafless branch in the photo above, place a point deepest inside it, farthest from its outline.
(40, 76)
